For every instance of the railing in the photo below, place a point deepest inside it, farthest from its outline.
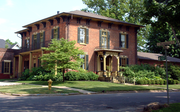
(108, 47)
(35, 46)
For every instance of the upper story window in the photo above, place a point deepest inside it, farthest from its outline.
(35, 41)
(26, 43)
(104, 39)
(83, 35)
(55, 32)
(123, 40)
(41, 39)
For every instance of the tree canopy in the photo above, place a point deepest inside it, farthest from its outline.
(62, 55)
(11, 43)
(159, 13)
(157, 35)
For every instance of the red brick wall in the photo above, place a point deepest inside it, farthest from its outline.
(71, 34)
(94, 41)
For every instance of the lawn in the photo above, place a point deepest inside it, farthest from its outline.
(98, 86)
(32, 89)
(175, 107)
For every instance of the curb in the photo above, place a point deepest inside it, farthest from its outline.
(68, 94)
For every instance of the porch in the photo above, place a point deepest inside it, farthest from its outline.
(108, 63)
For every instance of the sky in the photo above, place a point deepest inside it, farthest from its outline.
(16, 13)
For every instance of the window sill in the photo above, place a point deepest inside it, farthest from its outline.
(123, 48)
(6, 73)
(83, 44)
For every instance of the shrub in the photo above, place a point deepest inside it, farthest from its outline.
(174, 72)
(149, 82)
(141, 82)
(176, 82)
(170, 81)
(145, 82)
(72, 76)
(153, 82)
(161, 82)
(157, 81)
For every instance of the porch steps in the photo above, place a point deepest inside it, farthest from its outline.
(115, 80)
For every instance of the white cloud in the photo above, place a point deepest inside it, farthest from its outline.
(9, 2)
(2, 20)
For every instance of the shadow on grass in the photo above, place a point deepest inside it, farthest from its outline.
(119, 88)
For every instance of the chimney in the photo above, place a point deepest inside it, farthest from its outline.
(57, 12)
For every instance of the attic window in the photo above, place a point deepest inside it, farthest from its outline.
(79, 20)
(88, 21)
(99, 23)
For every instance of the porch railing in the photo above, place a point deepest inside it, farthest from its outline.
(35, 46)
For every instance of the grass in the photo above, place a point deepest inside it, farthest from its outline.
(32, 89)
(175, 107)
(96, 86)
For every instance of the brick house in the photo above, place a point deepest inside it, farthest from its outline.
(108, 43)
(7, 52)
(152, 59)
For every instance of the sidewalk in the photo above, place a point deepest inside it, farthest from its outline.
(68, 88)
(9, 83)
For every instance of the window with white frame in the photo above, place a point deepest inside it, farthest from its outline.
(82, 35)
(83, 63)
(7, 66)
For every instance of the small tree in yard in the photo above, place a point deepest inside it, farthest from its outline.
(62, 55)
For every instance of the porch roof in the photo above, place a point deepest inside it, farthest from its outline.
(108, 50)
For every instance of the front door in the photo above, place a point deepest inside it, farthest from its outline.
(26, 65)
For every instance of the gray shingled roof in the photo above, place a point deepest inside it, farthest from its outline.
(154, 56)
(92, 15)
(3, 44)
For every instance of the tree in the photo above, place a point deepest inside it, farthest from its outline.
(159, 13)
(62, 55)
(11, 43)
(123, 10)
(157, 35)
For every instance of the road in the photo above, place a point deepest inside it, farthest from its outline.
(117, 102)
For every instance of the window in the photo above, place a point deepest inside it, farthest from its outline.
(84, 65)
(35, 41)
(104, 39)
(26, 44)
(6, 66)
(83, 35)
(124, 61)
(55, 32)
(41, 39)
(123, 40)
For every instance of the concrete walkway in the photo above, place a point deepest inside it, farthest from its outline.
(9, 83)
(74, 89)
